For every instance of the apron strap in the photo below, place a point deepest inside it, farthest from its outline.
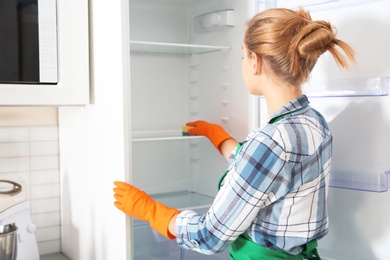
(310, 252)
(276, 119)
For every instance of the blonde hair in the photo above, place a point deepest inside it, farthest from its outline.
(291, 42)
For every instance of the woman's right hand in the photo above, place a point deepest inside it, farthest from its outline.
(215, 133)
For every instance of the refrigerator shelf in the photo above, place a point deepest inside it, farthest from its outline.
(174, 48)
(165, 135)
(183, 200)
(348, 87)
(360, 181)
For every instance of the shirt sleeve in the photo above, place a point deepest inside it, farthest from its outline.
(254, 180)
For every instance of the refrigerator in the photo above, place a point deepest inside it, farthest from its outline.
(185, 65)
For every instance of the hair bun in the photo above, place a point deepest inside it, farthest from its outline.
(291, 42)
(314, 39)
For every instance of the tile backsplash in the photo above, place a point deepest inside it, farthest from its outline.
(32, 154)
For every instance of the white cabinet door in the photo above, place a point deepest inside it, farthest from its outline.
(73, 63)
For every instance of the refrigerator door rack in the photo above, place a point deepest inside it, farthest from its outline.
(174, 48)
(360, 181)
(348, 87)
(313, 5)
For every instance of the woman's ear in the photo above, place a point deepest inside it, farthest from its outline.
(256, 64)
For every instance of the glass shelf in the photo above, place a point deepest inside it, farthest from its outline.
(182, 200)
(174, 48)
(150, 244)
(348, 87)
(360, 181)
(167, 135)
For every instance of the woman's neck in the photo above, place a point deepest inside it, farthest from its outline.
(279, 95)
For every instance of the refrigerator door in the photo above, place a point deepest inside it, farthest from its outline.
(356, 105)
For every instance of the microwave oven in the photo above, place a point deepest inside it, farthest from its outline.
(28, 42)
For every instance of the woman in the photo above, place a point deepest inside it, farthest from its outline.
(272, 199)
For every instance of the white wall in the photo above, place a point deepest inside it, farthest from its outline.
(92, 145)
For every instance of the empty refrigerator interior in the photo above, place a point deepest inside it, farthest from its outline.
(179, 75)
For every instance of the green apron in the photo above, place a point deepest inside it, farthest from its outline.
(243, 248)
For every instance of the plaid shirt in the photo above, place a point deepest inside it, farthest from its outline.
(275, 189)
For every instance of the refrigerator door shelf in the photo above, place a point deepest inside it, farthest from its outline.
(316, 4)
(348, 87)
(174, 48)
(360, 181)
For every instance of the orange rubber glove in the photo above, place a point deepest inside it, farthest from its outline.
(138, 204)
(214, 132)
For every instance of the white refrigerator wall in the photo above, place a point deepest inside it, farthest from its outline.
(220, 95)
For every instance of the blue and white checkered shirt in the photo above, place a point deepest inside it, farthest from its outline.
(275, 189)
